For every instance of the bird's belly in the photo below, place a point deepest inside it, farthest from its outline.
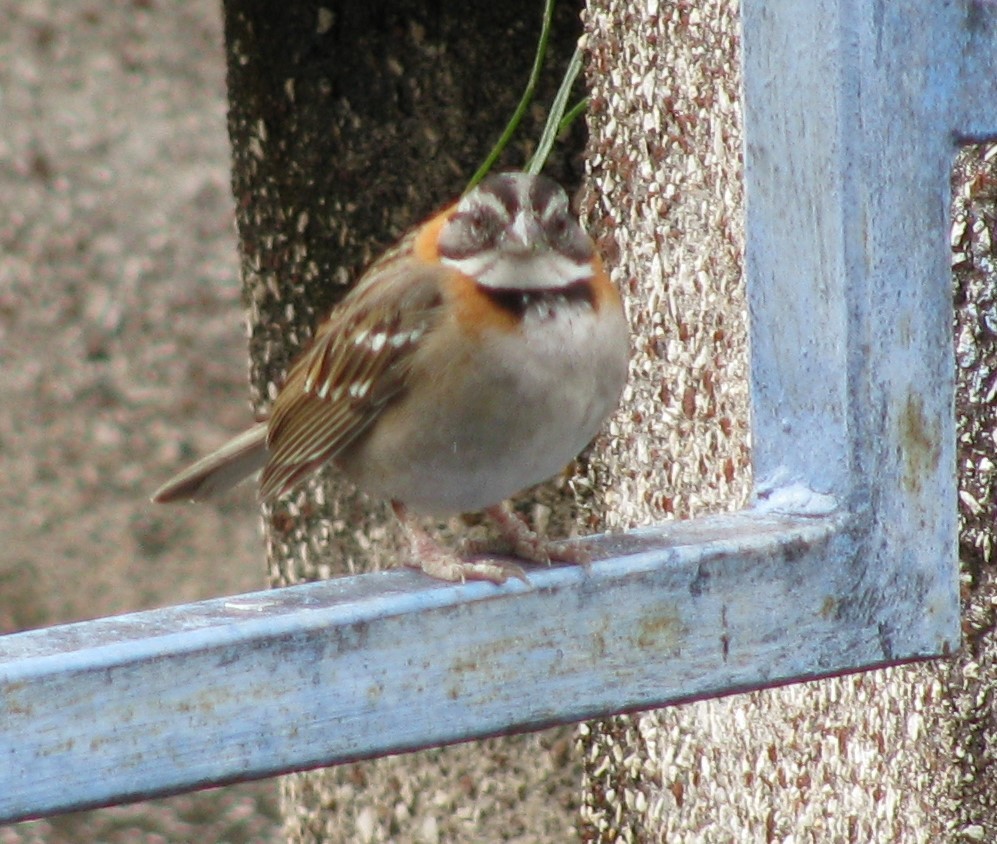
(524, 408)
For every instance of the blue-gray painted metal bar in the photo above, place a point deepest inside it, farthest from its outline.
(172, 699)
(976, 87)
(852, 113)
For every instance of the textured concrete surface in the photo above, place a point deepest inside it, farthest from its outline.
(117, 249)
(898, 755)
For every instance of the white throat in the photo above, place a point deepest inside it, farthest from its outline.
(546, 270)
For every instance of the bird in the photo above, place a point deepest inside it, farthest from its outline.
(474, 359)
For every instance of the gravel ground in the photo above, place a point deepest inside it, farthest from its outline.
(121, 345)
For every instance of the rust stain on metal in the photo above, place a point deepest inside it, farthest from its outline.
(829, 607)
(919, 444)
(660, 630)
(725, 634)
(464, 665)
(12, 701)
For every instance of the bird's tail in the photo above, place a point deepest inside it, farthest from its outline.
(220, 470)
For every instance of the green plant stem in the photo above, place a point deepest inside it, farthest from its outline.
(557, 117)
(524, 101)
(573, 114)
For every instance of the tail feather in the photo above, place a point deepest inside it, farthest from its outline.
(239, 458)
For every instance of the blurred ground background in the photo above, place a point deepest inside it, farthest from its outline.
(121, 345)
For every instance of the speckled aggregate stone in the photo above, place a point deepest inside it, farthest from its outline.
(883, 756)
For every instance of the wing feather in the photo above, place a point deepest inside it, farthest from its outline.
(357, 364)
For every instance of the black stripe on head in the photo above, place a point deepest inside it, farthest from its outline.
(543, 193)
(563, 231)
(480, 218)
(505, 187)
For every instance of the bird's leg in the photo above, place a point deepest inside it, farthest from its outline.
(438, 562)
(527, 544)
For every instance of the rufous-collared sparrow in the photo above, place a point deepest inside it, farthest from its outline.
(474, 359)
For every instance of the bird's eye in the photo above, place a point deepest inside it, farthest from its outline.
(558, 227)
(565, 234)
(482, 224)
(476, 220)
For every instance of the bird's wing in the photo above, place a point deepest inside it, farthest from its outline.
(356, 365)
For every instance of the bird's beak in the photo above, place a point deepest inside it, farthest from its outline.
(523, 237)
